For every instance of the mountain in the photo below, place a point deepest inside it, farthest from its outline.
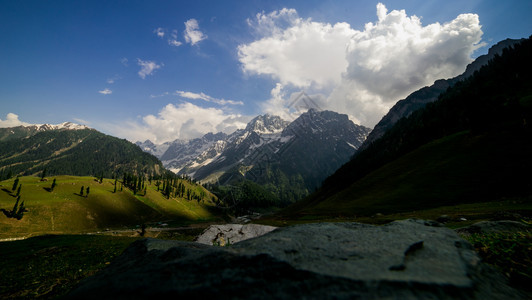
(287, 159)
(421, 97)
(471, 145)
(284, 159)
(70, 149)
(26, 131)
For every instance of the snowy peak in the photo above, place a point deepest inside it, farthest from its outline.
(267, 124)
(62, 126)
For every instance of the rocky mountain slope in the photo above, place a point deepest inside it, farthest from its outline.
(421, 97)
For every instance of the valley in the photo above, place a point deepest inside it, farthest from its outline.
(457, 152)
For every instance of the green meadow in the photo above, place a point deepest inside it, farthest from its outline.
(64, 211)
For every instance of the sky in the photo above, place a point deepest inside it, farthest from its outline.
(166, 70)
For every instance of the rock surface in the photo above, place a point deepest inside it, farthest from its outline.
(232, 233)
(408, 259)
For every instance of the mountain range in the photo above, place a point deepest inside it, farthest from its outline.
(289, 158)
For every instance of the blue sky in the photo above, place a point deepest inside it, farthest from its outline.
(177, 69)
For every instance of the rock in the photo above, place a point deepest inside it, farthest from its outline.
(443, 219)
(494, 227)
(407, 259)
(231, 233)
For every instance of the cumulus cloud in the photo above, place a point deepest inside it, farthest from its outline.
(181, 121)
(147, 67)
(105, 91)
(160, 32)
(296, 51)
(363, 72)
(172, 41)
(12, 121)
(289, 105)
(397, 55)
(203, 96)
(112, 80)
(192, 33)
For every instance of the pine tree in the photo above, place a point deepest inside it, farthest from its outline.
(87, 192)
(18, 191)
(20, 211)
(53, 185)
(81, 191)
(15, 208)
(43, 174)
(15, 184)
(116, 180)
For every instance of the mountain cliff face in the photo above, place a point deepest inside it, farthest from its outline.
(421, 97)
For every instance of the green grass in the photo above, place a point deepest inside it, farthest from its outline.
(510, 253)
(64, 211)
(49, 266)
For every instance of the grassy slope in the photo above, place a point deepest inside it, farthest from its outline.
(453, 170)
(64, 211)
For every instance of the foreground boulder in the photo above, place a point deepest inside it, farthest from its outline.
(408, 259)
(226, 234)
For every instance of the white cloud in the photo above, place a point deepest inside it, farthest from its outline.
(398, 55)
(12, 121)
(203, 96)
(296, 51)
(124, 61)
(173, 40)
(174, 43)
(81, 121)
(182, 121)
(147, 67)
(105, 91)
(192, 33)
(362, 72)
(160, 32)
(160, 95)
(113, 79)
(291, 106)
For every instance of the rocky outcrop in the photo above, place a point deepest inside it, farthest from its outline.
(226, 234)
(408, 259)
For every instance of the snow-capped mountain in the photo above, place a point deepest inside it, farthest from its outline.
(150, 147)
(64, 125)
(186, 154)
(308, 149)
(269, 149)
(30, 130)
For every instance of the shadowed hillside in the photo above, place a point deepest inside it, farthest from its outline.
(472, 145)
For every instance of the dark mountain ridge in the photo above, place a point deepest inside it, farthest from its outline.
(420, 98)
(471, 145)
